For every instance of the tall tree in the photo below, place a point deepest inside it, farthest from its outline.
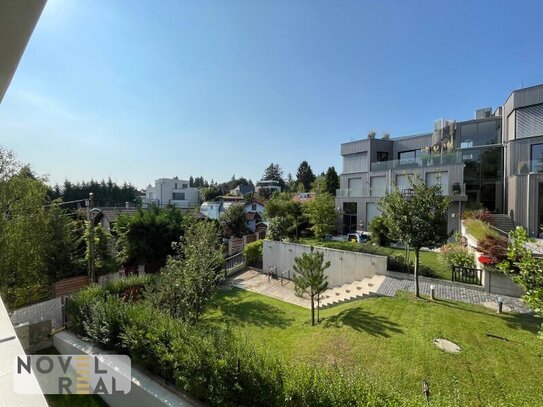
(417, 219)
(332, 181)
(191, 181)
(310, 278)
(305, 175)
(190, 279)
(319, 185)
(233, 221)
(322, 214)
(525, 270)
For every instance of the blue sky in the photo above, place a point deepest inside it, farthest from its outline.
(138, 90)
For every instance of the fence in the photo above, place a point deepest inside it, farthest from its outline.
(70, 285)
(236, 244)
(234, 263)
(467, 275)
(345, 267)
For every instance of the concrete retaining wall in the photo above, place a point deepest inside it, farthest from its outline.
(146, 388)
(345, 267)
(42, 311)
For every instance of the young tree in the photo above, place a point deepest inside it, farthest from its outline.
(190, 278)
(233, 221)
(417, 219)
(285, 216)
(332, 181)
(305, 175)
(310, 278)
(321, 213)
(319, 185)
(525, 270)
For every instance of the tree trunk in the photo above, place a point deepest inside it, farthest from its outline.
(312, 310)
(417, 293)
(318, 309)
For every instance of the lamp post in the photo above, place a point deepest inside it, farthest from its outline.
(500, 305)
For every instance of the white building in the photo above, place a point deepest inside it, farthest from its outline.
(253, 211)
(172, 191)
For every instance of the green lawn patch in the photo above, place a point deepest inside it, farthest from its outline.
(479, 229)
(430, 259)
(391, 338)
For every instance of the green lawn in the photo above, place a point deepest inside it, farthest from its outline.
(430, 259)
(392, 339)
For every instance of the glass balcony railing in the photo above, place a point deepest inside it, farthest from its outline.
(526, 167)
(453, 190)
(430, 160)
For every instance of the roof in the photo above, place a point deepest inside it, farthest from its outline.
(244, 189)
(304, 196)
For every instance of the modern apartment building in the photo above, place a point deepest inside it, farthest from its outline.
(495, 160)
(172, 191)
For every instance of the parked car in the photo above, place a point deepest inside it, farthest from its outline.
(358, 237)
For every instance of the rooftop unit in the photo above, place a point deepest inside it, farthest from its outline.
(483, 113)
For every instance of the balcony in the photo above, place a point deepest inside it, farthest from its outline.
(430, 160)
(456, 191)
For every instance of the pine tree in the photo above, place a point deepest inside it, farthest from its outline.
(310, 278)
(305, 175)
(332, 181)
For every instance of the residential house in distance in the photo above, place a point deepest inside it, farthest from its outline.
(243, 191)
(172, 191)
(253, 211)
(267, 188)
(494, 160)
(304, 197)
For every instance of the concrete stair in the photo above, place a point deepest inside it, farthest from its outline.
(356, 290)
(502, 222)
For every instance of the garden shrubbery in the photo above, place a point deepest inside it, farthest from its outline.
(210, 362)
(253, 253)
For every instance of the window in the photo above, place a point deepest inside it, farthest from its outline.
(529, 121)
(407, 155)
(536, 158)
(355, 162)
(184, 186)
(432, 178)
(253, 207)
(378, 186)
(382, 156)
(371, 212)
(349, 217)
(178, 196)
(175, 185)
(480, 133)
(402, 181)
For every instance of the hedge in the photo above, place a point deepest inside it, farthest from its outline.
(213, 364)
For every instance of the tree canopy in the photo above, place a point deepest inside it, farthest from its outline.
(305, 176)
(417, 219)
(321, 213)
(233, 221)
(332, 181)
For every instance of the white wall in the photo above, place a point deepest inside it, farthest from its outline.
(42, 311)
(345, 267)
(164, 189)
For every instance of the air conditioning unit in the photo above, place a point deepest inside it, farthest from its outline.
(386, 136)
(483, 113)
(371, 134)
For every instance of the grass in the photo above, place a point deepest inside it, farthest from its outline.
(431, 259)
(479, 229)
(392, 339)
(68, 400)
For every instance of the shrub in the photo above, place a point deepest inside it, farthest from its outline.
(17, 297)
(479, 214)
(399, 264)
(456, 255)
(495, 247)
(479, 229)
(210, 362)
(130, 288)
(253, 253)
(379, 231)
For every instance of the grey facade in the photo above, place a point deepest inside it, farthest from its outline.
(494, 161)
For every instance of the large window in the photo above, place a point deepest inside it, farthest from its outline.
(529, 121)
(349, 217)
(480, 133)
(402, 182)
(433, 178)
(372, 211)
(536, 158)
(178, 196)
(483, 176)
(382, 156)
(355, 162)
(378, 186)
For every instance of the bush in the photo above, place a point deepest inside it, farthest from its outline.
(379, 231)
(210, 362)
(130, 287)
(494, 247)
(479, 214)
(456, 255)
(398, 263)
(253, 253)
(17, 297)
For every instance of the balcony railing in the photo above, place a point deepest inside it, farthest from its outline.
(452, 190)
(430, 160)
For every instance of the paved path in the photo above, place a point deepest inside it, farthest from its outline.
(252, 280)
(390, 286)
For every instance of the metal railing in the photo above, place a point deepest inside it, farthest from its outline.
(450, 189)
(232, 263)
(467, 275)
(272, 271)
(282, 276)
